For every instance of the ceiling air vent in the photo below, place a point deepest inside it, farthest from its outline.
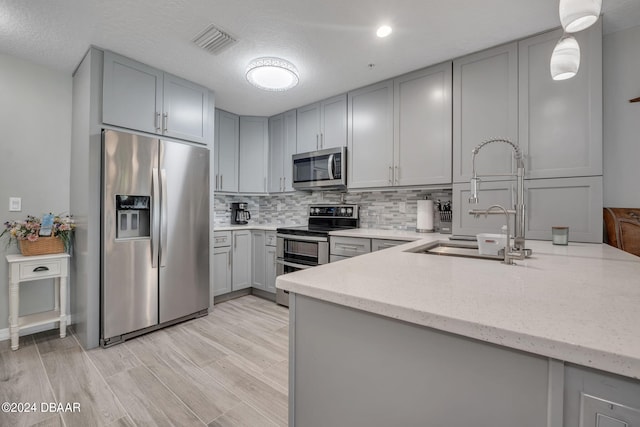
(214, 40)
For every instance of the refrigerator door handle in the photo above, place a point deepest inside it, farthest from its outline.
(155, 217)
(163, 218)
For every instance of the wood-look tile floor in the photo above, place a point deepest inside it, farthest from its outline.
(227, 369)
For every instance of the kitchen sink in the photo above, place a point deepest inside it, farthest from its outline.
(456, 249)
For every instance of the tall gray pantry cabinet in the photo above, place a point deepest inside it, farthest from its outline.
(103, 84)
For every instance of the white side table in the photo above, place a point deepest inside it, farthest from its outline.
(27, 268)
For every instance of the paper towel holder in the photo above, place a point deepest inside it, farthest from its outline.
(424, 220)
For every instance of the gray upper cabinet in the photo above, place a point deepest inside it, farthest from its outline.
(561, 121)
(254, 140)
(322, 125)
(227, 151)
(282, 146)
(485, 106)
(370, 137)
(139, 97)
(422, 139)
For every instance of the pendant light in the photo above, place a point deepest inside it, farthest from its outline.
(565, 59)
(577, 15)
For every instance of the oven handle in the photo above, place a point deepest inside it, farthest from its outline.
(302, 238)
(294, 265)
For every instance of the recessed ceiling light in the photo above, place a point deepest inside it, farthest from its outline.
(274, 74)
(384, 31)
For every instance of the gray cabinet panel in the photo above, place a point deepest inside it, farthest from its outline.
(258, 271)
(561, 121)
(186, 107)
(241, 265)
(227, 151)
(491, 193)
(422, 140)
(221, 270)
(349, 246)
(333, 122)
(254, 139)
(290, 148)
(485, 106)
(308, 131)
(270, 268)
(572, 202)
(276, 154)
(132, 94)
(381, 244)
(370, 142)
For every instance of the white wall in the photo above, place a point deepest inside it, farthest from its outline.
(35, 121)
(621, 82)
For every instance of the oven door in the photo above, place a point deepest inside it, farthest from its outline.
(308, 251)
(284, 267)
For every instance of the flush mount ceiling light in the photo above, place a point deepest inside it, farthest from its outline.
(565, 59)
(577, 15)
(384, 31)
(274, 74)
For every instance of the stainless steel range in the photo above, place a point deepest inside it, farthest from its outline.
(307, 246)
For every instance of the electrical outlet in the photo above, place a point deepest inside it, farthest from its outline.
(402, 206)
(15, 204)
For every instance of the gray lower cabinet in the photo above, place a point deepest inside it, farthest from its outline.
(242, 259)
(254, 147)
(560, 125)
(136, 96)
(270, 256)
(485, 106)
(381, 244)
(221, 262)
(349, 246)
(258, 270)
(572, 202)
(227, 151)
(597, 399)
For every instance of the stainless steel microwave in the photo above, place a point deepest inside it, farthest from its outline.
(321, 170)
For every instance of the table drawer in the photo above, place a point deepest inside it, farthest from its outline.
(221, 238)
(39, 269)
(350, 246)
(270, 238)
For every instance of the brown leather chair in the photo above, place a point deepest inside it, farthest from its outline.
(622, 229)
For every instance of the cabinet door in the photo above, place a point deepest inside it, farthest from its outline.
(572, 202)
(270, 268)
(485, 106)
(491, 193)
(308, 128)
(227, 150)
(254, 139)
(382, 244)
(561, 121)
(333, 122)
(258, 268)
(241, 277)
(276, 154)
(597, 412)
(422, 140)
(221, 270)
(370, 142)
(290, 142)
(185, 111)
(132, 94)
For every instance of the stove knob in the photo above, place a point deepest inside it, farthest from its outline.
(349, 211)
(343, 211)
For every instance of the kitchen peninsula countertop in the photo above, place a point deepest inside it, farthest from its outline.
(577, 303)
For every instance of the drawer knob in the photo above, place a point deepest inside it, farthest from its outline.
(41, 268)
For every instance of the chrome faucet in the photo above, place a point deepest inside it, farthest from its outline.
(519, 250)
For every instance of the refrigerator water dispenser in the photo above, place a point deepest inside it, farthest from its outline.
(133, 219)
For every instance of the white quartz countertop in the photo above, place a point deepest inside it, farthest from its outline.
(375, 233)
(578, 303)
(266, 227)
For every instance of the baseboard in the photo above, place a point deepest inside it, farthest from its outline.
(4, 333)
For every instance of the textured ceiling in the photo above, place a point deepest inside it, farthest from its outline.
(331, 42)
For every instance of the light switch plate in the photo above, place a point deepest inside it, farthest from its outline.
(15, 204)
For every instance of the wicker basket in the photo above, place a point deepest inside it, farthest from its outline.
(42, 246)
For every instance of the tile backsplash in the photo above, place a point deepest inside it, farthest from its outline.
(379, 209)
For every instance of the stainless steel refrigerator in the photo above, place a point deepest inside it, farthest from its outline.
(155, 234)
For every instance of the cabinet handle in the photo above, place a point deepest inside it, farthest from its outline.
(397, 174)
(284, 184)
(165, 122)
(317, 141)
(41, 268)
(321, 140)
(216, 181)
(156, 121)
(281, 185)
(229, 260)
(221, 176)
(390, 175)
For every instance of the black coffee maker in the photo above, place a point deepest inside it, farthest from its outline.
(240, 213)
